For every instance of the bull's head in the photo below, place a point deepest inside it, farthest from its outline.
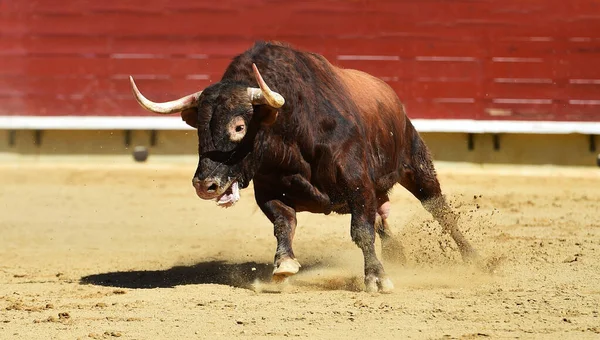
(227, 116)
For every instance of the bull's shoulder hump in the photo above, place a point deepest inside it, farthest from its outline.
(368, 92)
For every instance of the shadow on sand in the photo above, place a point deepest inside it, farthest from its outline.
(240, 275)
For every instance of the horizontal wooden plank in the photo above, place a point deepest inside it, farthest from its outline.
(515, 92)
(407, 8)
(583, 113)
(56, 106)
(115, 66)
(446, 91)
(582, 89)
(38, 66)
(437, 110)
(522, 111)
(402, 47)
(82, 6)
(94, 87)
(559, 90)
(579, 66)
(210, 46)
(527, 67)
(66, 86)
(13, 25)
(162, 89)
(174, 46)
(435, 20)
(56, 45)
(435, 68)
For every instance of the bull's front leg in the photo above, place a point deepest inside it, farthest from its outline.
(363, 208)
(283, 218)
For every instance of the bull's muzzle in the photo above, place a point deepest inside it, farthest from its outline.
(206, 189)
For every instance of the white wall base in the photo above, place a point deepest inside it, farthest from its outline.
(175, 123)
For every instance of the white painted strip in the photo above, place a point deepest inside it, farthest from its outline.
(197, 76)
(584, 81)
(454, 100)
(197, 56)
(140, 76)
(137, 56)
(368, 57)
(175, 123)
(541, 39)
(521, 101)
(523, 80)
(584, 102)
(444, 58)
(581, 39)
(516, 60)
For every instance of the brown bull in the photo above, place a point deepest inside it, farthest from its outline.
(317, 138)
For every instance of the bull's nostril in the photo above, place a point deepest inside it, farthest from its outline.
(212, 188)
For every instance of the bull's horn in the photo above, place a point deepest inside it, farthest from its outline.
(178, 105)
(264, 95)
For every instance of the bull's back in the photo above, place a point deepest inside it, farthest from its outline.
(372, 95)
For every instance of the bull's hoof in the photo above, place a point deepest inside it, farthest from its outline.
(285, 269)
(374, 284)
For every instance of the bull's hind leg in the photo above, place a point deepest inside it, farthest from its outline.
(283, 218)
(363, 207)
(419, 177)
(391, 248)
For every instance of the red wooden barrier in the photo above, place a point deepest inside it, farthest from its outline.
(477, 59)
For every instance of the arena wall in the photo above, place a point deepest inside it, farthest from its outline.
(470, 71)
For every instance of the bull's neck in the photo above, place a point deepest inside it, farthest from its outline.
(285, 149)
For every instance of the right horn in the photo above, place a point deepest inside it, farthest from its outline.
(264, 95)
(174, 106)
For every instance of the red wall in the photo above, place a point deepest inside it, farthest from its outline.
(483, 59)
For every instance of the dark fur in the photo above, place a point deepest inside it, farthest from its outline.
(340, 143)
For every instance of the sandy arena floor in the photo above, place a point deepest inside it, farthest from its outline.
(97, 251)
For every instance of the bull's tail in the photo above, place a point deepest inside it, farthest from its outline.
(418, 173)
(419, 177)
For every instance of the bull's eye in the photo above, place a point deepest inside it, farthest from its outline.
(237, 129)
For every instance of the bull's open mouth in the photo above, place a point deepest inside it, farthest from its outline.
(230, 196)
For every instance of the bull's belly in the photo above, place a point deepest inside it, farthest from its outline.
(340, 208)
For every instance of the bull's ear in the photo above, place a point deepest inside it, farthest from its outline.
(268, 115)
(190, 116)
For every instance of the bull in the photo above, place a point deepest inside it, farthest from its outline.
(313, 137)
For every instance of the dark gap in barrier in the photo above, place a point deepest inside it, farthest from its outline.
(496, 139)
(470, 141)
(153, 137)
(37, 137)
(127, 138)
(12, 138)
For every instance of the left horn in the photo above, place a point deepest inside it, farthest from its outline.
(264, 95)
(178, 105)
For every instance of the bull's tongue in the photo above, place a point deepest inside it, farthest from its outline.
(230, 196)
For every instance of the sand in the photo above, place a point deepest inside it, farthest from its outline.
(105, 251)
